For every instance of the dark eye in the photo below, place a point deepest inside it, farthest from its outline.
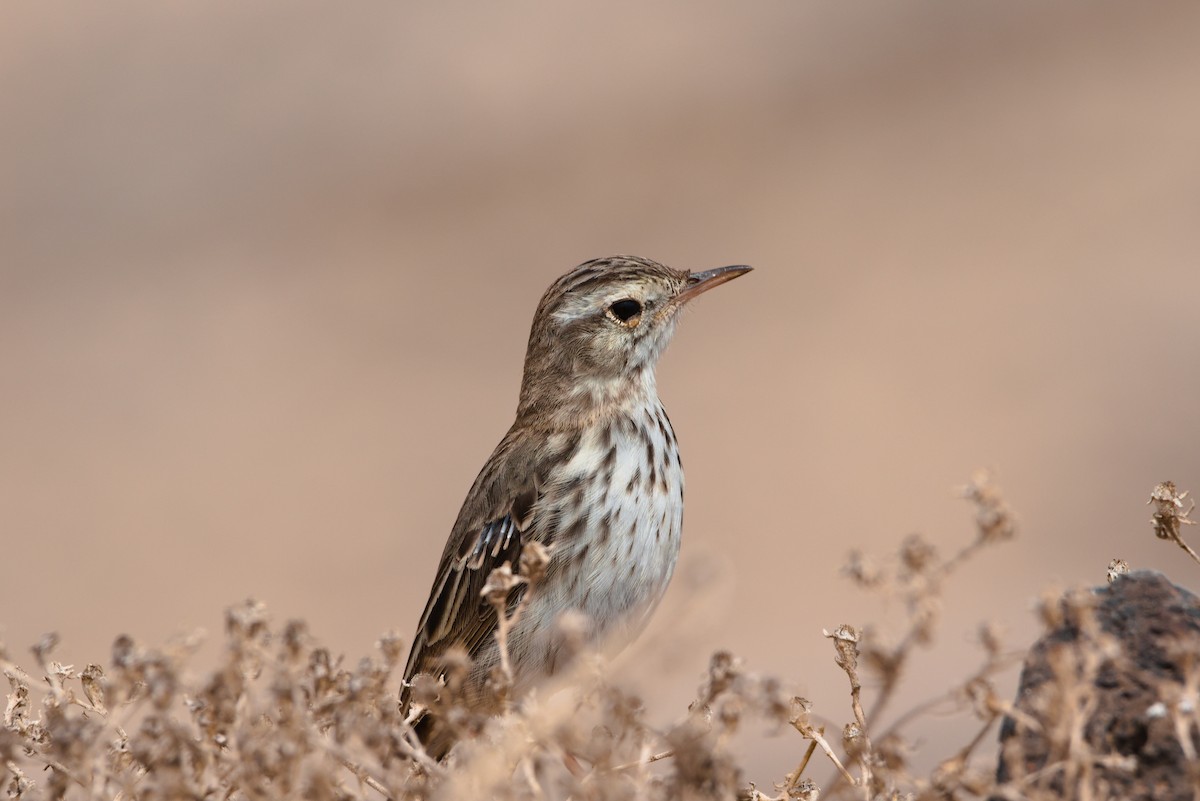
(625, 310)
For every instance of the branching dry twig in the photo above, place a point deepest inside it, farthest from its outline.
(1169, 516)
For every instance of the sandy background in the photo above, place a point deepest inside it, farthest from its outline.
(267, 273)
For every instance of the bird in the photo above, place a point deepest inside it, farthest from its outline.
(590, 470)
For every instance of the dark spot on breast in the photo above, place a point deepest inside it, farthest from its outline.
(607, 439)
(651, 477)
(633, 480)
(571, 446)
(576, 529)
(570, 485)
(581, 554)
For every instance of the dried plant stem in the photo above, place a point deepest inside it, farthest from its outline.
(821, 741)
(900, 653)
(500, 583)
(1175, 537)
(845, 641)
(952, 696)
(865, 750)
(948, 567)
(366, 778)
(649, 760)
(793, 779)
(531, 778)
(504, 624)
(818, 737)
(970, 747)
(410, 746)
(64, 770)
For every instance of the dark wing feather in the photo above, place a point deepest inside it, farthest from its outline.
(458, 611)
(495, 521)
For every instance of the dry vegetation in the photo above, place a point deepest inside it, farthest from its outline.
(282, 718)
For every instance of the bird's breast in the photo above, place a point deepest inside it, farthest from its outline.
(614, 516)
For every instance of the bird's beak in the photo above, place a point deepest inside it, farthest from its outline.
(698, 283)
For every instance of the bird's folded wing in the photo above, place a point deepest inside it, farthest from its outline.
(457, 614)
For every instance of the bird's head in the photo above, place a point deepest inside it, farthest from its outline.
(600, 329)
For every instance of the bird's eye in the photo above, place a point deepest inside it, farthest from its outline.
(626, 310)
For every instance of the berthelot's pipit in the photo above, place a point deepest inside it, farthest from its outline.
(590, 469)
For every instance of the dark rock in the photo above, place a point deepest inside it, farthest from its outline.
(1105, 686)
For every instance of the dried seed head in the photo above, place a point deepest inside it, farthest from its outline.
(391, 646)
(775, 702)
(1049, 609)
(425, 690)
(455, 665)
(1169, 515)
(983, 698)
(863, 571)
(801, 710)
(62, 672)
(44, 646)
(990, 638)
(917, 554)
(499, 582)
(247, 621)
(723, 669)
(571, 631)
(535, 558)
(992, 514)
(701, 768)
(1117, 567)
(18, 703)
(498, 683)
(845, 642)
(806, 790)
(729, 712)
(92, 680)
(885, 662)
(892, 752)
(947, 776)
(294, 640)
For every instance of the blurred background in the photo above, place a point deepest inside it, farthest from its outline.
(268, 269)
